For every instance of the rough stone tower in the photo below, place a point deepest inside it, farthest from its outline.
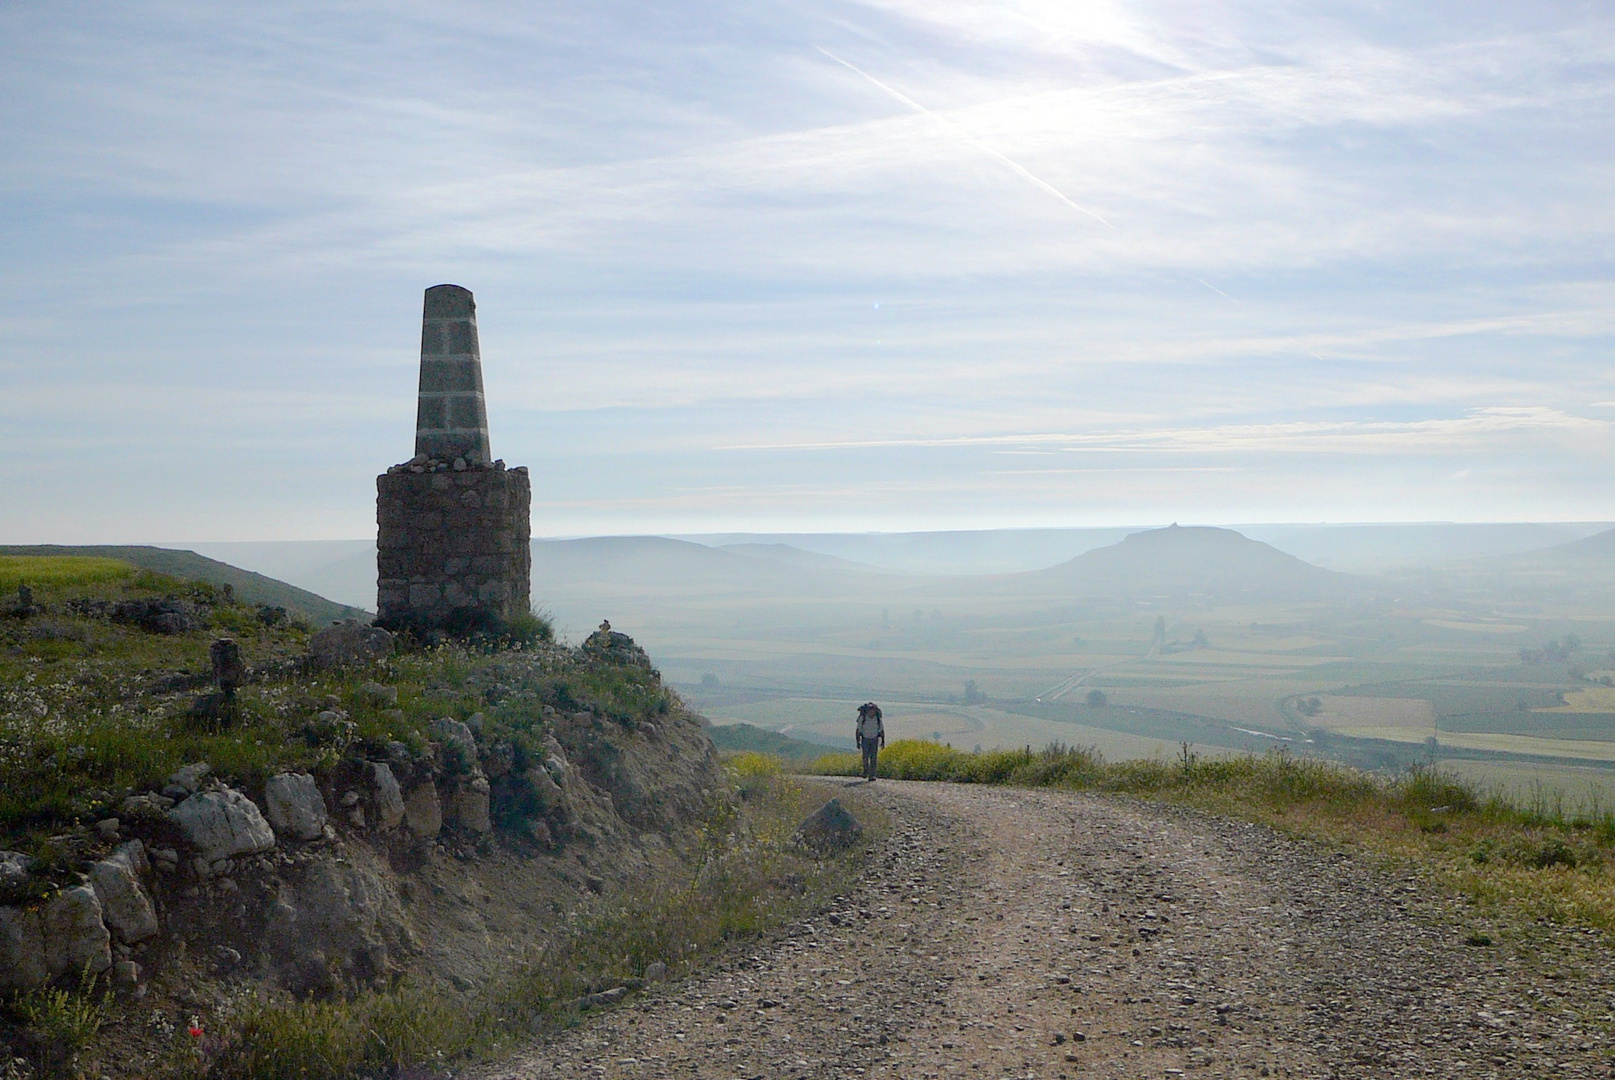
(452, 524)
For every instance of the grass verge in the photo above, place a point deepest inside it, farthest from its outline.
(1535, 862)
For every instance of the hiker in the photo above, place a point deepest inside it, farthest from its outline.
(871, 736)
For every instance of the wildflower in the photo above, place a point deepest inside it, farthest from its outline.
(195, 1029)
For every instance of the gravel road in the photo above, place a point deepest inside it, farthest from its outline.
(1002, 932)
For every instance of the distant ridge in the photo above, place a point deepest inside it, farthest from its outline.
(1194, 560)
(795, 556)
(1597, 546)
(189, 566)
(662, 565)
(744, 738)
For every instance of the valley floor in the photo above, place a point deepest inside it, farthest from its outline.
(1039, 933)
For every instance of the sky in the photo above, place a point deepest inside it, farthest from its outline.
(811, 265)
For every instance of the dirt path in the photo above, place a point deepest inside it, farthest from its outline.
(1003, 932)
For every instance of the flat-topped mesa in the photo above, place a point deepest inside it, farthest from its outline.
(452, 525)
(451, 420)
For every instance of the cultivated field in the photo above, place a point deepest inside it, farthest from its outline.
(970, 727)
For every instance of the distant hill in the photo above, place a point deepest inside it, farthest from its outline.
(1179, 561)
(1368, 549)
(340, 570)
(189, 566)
(795, 556)
(607, 565)
(744, 738)
(957, 553)
(1599, 546)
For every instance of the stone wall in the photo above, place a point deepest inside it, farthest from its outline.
(452, 545)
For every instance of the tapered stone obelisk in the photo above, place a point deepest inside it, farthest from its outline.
(453, 525)
(452, 418)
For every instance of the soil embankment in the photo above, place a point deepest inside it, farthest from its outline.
(1042, 933)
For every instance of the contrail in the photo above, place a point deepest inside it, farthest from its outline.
(965, 135)
(1216, 290)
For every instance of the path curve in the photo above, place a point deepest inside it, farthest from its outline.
(1031, 933)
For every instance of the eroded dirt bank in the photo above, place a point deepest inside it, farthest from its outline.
(1004, 932)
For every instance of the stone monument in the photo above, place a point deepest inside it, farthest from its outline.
(452, 524)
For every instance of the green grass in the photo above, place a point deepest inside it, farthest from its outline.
(248, 587)
(86, 717)
(57, 571)
(63, 1024)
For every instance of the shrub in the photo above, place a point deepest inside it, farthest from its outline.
(63, 1023)
(532, 628)
(753, 771)
(748, 763)
(835, 765)
(916, 759)
(1553, 852)
(1429, 788)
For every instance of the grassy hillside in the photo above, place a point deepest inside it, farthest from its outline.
(248, 587)
(751, 739)
(97, 703)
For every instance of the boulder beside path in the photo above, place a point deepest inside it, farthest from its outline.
(830, 828)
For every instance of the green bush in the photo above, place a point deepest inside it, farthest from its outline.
(1430, 788)
(529, 629)
(62, 1024)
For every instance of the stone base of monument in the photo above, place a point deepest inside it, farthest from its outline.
(453, 547)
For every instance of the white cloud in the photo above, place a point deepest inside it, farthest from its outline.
(1339, 232)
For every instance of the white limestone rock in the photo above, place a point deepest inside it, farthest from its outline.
(221, 824)
(348, 643)
(76, 937)
(22, 950)
(453, 733)
(468, 806)
(14, 868)
(125, 907)
(296, 808)
(387, 796)
(423, 810)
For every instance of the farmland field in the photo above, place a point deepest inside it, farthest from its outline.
(1568, 788)
(1502, 671)
(1364, 717)
(966, 727)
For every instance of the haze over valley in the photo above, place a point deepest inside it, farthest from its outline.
(1491, 639)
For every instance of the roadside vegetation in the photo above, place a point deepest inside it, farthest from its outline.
(1536, 861)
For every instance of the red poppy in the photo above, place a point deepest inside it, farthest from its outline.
(194, 1032)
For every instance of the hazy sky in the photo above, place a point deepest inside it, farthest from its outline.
(811, 265)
